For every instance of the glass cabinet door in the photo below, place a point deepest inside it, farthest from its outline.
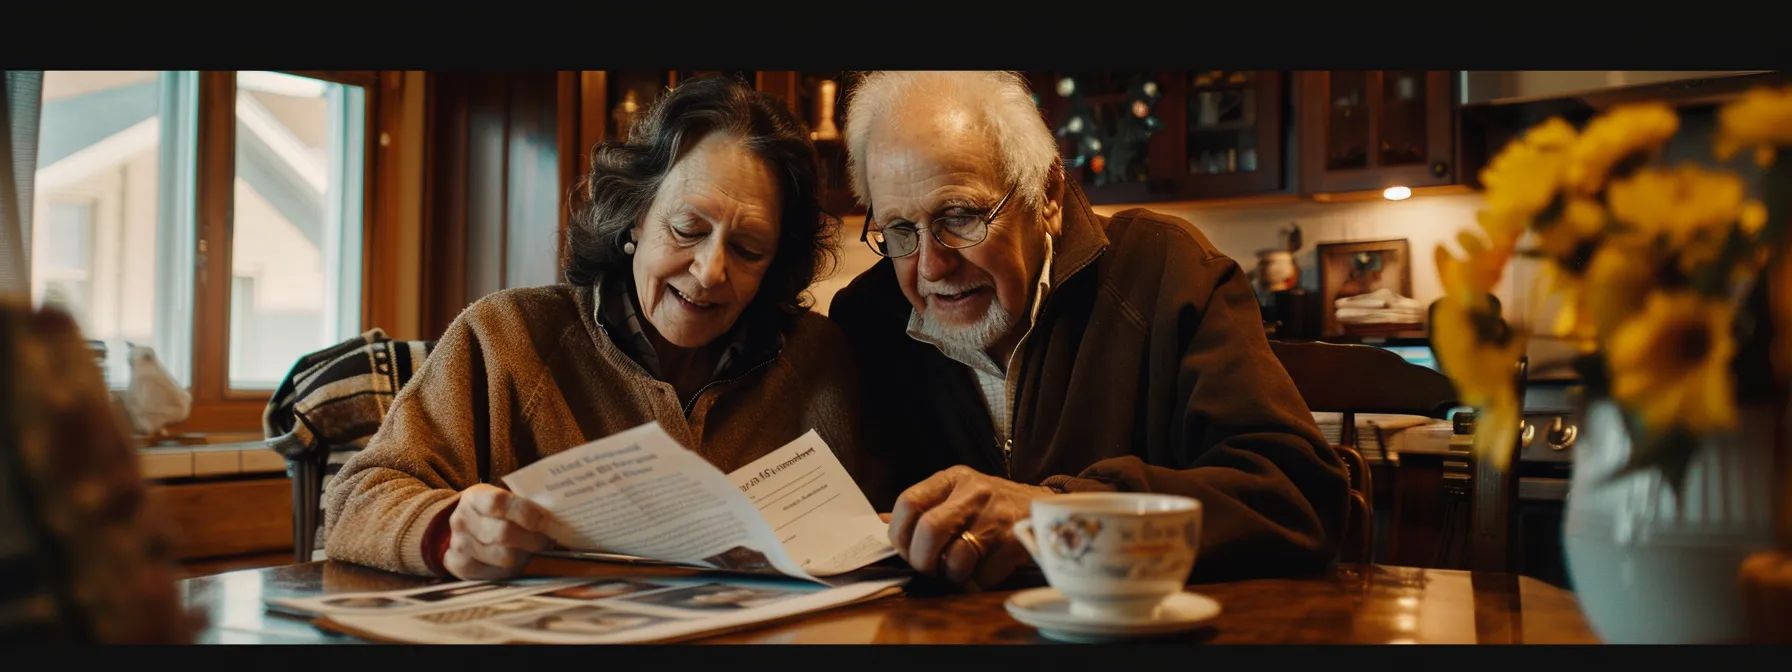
(1372, 129)
(1231, 132)
(1112, 132)
(1140, 137)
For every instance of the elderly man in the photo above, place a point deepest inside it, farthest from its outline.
(1015, 345)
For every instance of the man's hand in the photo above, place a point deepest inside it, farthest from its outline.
(494, 533)
(929, 517)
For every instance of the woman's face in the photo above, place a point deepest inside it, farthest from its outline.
(707, 241)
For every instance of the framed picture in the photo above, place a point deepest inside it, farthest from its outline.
(1378, 273)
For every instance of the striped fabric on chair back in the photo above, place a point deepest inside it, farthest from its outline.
(333, 400)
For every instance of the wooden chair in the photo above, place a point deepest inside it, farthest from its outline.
(1352, 379)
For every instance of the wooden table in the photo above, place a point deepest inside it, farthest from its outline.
(1367, 604)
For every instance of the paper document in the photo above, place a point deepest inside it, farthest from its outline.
(624, 608)
(795, 511)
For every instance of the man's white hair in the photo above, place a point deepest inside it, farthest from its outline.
(1026, 151)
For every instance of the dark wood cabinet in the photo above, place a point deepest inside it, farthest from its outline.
(1136, 137)
(628, 93)
(1167, 135)
(1366, 130)
(819, 98)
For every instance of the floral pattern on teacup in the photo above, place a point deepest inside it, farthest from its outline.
(1072, 537)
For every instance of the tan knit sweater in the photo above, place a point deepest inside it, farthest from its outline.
(525, 373)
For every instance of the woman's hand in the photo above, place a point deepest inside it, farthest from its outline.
(494, 533)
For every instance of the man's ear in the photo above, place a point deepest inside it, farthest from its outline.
(1051, 212)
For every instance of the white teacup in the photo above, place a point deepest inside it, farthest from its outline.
(1113, 555)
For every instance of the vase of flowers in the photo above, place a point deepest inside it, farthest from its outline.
(1675, 286)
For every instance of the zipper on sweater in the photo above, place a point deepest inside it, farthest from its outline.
(687, 405)
(1013, 409)
(693, 402)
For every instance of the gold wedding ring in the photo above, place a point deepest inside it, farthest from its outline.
(972, 540)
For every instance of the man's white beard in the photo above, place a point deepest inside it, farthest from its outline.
(977, 336)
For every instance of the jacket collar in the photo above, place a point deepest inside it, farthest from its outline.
(1083, 238)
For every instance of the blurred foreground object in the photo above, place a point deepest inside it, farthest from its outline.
(1767, 589)
(86, 560)
(154, 400)
(1670, 274)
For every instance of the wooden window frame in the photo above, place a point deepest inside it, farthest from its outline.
(216, 406)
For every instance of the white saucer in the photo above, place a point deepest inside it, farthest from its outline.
(1049, 611)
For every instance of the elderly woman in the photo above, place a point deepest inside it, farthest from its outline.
(685, 269)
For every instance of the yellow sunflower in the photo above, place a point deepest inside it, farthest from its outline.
(1753, 217)
(1761, 118)
(1582, 220)
(1472, 277)
(1617, 135)
(1618, 281)
(1483, 370)
(1503, 229)
(1523, 179)
(1571, 321)
(1684, 204)
(1671, 363)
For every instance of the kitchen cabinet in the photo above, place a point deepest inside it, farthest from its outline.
(1139, 137)
(1363, 130)
(1171, 135)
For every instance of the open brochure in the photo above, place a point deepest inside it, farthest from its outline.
(640, 495)
(624, 609)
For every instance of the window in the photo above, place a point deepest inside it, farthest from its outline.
(295, 240)
(214, 216)
(114, 210)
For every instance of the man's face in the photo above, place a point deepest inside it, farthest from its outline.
(936, 167)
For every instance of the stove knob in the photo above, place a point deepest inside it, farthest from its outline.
(1561, 435)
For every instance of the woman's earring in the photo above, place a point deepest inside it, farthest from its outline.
(628, 247)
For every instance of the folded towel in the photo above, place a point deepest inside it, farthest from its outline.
(1380, 298)
(1379, 316)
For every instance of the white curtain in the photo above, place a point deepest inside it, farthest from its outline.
(21, 102)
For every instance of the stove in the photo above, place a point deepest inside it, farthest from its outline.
(1552, 421)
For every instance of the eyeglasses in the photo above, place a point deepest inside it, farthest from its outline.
(958, 232)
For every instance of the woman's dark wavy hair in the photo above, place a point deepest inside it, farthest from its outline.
(624, 177)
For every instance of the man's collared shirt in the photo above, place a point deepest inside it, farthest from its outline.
(992, 378)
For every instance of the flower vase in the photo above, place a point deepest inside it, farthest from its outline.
(1650, 565)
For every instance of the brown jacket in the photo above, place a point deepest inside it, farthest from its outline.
(525, 373)
(1147, 371)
